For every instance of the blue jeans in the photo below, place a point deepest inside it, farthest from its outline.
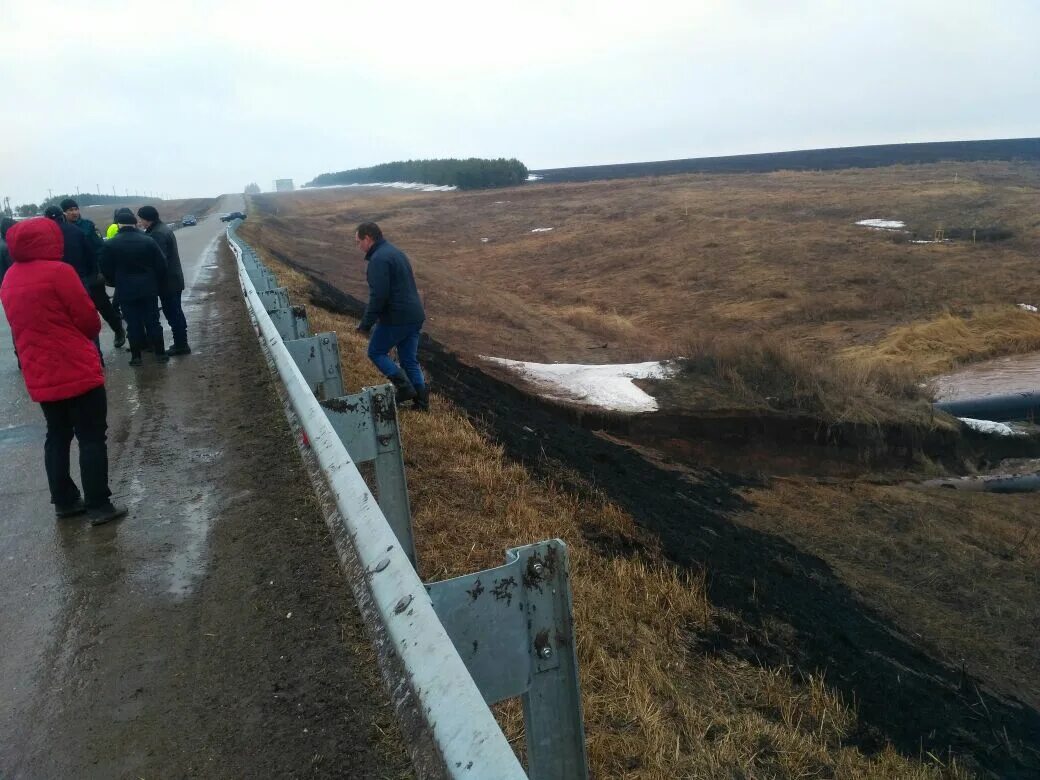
(171, 307)
(406, 339)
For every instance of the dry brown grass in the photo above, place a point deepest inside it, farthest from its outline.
(638, 268)
(957, 571)
(654, 708)
(941, 344)
(770, 373)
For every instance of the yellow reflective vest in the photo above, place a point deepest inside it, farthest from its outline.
(112, 230)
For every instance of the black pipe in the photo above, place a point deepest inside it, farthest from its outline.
(1008, 483)
(997, 408)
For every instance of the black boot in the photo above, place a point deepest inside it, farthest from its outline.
(179, 349)
(422, 399)
(405, 391)
(135, 356)
(120, 339)
(160, 351)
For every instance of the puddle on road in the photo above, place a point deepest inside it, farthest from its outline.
(186, 563)
(1012, 374)
(21, 434)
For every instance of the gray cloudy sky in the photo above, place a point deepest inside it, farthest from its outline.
(200, 98)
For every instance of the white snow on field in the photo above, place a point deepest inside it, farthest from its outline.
(988, 426)
(882, 224)
(540, 230)
(533, 177)
(1027, 306)
(609, 386)
(930, 241)
(398, 185)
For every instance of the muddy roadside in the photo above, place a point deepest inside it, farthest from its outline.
(785, 607)
(211, 633)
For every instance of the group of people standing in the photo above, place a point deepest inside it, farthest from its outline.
(54, 271)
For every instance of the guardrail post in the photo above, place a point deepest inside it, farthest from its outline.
(261, 278)
(292, 323)
(513, 627)
(366, 423)
(317, 357)
(275, 298)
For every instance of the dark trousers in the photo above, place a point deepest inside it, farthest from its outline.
(142, 323)
(174, 313)
(84, 417)
(99, 295)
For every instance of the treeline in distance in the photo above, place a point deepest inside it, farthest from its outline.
(472, 174)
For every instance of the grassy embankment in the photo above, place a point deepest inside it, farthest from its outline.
(763, 280)
(654, 707)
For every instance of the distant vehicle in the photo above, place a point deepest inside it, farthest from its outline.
(189, 221)
(232, 215)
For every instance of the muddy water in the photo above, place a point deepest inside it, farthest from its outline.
(1013, 374)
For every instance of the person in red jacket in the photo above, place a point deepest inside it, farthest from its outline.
(54, 324)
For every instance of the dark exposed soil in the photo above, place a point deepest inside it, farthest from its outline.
(780, 606)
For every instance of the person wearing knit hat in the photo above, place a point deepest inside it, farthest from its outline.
(134, 264)
(173, 287)
(96, 286)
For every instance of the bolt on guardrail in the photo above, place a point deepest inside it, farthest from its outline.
(510, 627)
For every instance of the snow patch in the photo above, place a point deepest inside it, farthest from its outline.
(882, 224)
(540, 230)
(398, 185)
(607, 386)
(533, 177)
(929, 241)
(988, 426)
(1027, 307)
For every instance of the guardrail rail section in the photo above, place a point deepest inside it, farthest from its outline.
(488, 636)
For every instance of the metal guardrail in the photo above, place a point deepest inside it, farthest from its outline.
(466, 642)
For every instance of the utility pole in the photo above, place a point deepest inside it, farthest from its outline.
(98, 189)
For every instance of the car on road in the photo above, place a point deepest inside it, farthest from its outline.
(232, 215)
(189, 221)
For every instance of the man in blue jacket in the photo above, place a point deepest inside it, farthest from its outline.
(394, 315)
(96, 286)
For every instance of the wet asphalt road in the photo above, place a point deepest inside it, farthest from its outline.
(194, 638)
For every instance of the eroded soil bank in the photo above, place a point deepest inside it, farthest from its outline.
(785, 607)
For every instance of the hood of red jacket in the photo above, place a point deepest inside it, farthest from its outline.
(38, 238)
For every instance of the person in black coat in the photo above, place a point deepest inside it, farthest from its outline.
(108, 310)
(173, 287)
(134, 264)
(394, 315)
(78, 251)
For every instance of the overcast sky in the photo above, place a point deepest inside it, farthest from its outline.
(200, 98)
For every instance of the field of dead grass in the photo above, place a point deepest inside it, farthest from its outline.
(639, 268)
(654, 707)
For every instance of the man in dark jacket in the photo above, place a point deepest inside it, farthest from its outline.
(134, 264)
(78, 251)
(173, 287)
(96, 287)
(396, 312)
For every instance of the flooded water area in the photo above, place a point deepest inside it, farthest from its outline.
(1003, 376)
